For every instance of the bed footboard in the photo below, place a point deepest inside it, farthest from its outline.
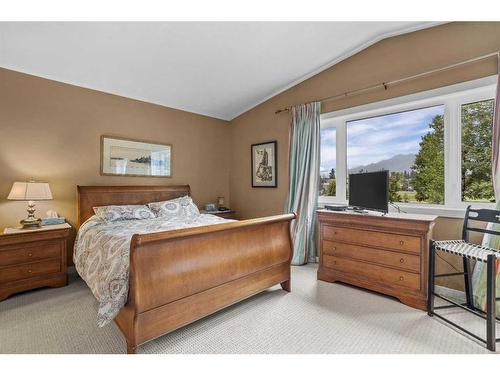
(179, 276)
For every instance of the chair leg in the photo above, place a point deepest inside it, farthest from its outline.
(491, 303)
(468, 283)
(430, 286)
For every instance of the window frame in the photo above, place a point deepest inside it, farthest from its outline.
(452, 98)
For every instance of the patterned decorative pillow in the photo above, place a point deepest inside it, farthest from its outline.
(179, 208)
(126, 212)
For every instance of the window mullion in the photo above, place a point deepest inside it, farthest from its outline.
(450, 149)
(452, 154)
(341, 161)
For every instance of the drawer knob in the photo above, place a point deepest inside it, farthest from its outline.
(334, 248)
(401, 242)
(402, 260)
(30, 255)
(29, 271)
(401, 278)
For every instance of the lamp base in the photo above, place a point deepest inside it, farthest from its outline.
(31, 223)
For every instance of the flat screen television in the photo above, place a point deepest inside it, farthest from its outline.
(369, 191)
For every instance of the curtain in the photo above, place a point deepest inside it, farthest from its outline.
(479, 274)
(304, 158)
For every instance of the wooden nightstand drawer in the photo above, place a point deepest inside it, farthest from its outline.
(26, 271)
(30, 253)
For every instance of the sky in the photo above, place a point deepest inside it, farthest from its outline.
(378, 138)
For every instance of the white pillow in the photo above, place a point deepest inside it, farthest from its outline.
(125, 212)
(178, 208)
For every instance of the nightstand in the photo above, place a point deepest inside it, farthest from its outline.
(228, 214)
(33, 258)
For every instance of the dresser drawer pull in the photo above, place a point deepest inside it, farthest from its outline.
(402, 260)
(30, 271)
(401, 242)
(30, 255)
(401, 278)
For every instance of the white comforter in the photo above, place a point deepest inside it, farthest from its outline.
(101, 256)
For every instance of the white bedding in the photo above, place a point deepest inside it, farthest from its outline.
(101, 255)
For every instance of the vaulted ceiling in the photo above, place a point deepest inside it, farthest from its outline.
(218, 69)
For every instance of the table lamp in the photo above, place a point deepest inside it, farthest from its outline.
(30, 191)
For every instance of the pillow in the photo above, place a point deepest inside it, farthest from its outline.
(126, 212)
(178, 208)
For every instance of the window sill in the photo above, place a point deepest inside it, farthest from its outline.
(441, 211)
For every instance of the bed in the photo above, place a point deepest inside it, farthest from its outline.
(179, 276)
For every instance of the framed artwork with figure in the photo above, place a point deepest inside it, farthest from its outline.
(264, 164)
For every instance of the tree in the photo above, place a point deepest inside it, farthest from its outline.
(428, 176)
(476, 151)
(394, 187)
(331, 188)
(332, 174)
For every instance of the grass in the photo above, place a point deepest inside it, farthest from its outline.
(410, 194)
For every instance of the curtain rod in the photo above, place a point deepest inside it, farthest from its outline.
(385, 85)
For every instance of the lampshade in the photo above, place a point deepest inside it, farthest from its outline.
(30, 191)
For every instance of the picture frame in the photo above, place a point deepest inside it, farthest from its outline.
(134, 158)
(264, 164)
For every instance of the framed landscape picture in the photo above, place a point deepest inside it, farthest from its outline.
(127, 157)
(264, 165)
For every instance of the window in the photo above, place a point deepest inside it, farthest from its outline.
(328, 161)
(477, 185)
(410, 145)
(436, 146)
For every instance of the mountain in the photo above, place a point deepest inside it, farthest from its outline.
(398, 163)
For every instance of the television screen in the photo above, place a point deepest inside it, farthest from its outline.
(369, 190)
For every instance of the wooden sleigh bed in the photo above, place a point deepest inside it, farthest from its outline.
(179, 276)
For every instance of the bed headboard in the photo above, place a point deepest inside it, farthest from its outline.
(92, 196)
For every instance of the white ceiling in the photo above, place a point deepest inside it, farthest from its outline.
(213, 68)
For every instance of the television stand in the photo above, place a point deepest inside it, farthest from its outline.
(387, 254)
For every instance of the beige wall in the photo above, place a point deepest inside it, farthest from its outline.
(50, 131)
(387, 60)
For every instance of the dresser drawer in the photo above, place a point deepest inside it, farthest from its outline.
(372, 238)
(383, 257)
(25, 271)
(389, 276)
(31, 253)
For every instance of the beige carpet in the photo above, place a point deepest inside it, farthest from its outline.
(317, 317)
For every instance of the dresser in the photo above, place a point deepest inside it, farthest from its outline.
(383, 253)
(32, 259)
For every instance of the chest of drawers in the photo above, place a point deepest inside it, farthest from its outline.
(33, 259)
(387, 254)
